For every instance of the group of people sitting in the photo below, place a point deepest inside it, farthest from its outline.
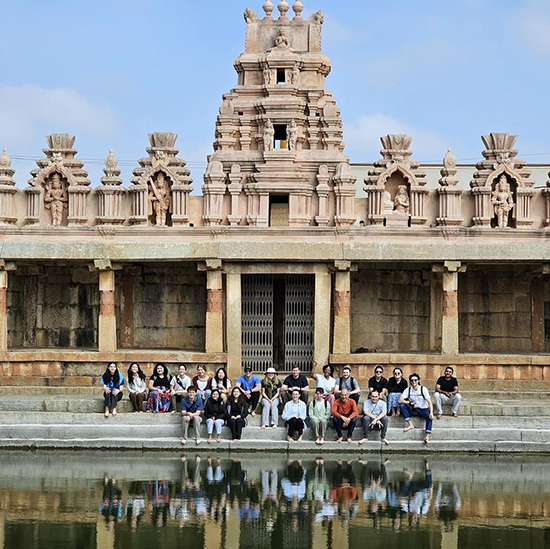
(336, 400)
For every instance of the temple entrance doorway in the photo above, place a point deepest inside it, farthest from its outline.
(277, 321)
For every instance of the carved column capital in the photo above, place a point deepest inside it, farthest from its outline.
(210, 265)
(104, 265)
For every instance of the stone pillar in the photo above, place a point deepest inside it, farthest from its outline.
(234, 327)
(321, 336)
(4, 268)
(341, 343)
(537, 308)
(436, 309)
(214, 308)
(449, 321)
(107, 320)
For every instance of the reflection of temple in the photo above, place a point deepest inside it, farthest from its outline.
(284, 258)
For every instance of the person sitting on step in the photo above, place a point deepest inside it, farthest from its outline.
(203, 383)
(319, 412)
(446, 392)
(294, 414)
(178, 387)
(137, 388)
(346, 381)
(375, 417)
(237, 410)
(113, 384)
(251, 387)
(415, 401)
(191, 412)
(271, 388)
(159, 390)
(344, 415)
(295, 381)
(215, 413)
(325, 381)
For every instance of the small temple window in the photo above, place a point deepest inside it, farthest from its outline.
(280, 136)
(278, 210)
(281, 76)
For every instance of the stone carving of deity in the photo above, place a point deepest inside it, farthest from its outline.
(282, 42)
(56, 199)
(160, 200)
(269, 136)
(294, 74)
(388, 203)
(502, 201)
(292, 135)
(267, 76)
(401, 201)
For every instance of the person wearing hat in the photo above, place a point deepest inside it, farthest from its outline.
(271, 388)
(250, 386)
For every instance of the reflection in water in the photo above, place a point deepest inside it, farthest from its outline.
(265, 503)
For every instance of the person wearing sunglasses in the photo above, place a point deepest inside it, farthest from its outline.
(415, 401)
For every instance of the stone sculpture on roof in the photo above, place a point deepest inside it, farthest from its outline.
(500, 159)
(59, 184)
(161, 185)
(7, 190)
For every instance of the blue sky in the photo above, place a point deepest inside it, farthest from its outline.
(111, 72)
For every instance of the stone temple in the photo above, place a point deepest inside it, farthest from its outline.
(286, 257)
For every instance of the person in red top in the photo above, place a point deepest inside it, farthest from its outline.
(344, 415)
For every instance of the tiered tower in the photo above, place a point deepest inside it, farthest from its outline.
(278, 156)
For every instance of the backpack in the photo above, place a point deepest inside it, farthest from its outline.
(351, 382)
(421, 392)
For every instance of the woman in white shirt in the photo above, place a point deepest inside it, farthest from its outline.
(136, 386)
(325, 381)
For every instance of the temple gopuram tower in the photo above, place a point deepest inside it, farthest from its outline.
(278, 155)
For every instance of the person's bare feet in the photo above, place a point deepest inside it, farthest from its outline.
(106, 412)
(184, 441)
(253, 414)
(209, 439)
(339, 439)
(115, 412)
(455, 414)
(198, 441)
(363, 440)
(290, 439)
(264, 426)
(219, 438)
(408, 428)
(321, 441)
(300, 438)
(426, 439)
(349, 440)
(274, 426)
(235, 440)
(438, 416)
(317, 440)
(386, 441)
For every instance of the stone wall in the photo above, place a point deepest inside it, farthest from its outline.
(495, 310)
(390, 310)
(161, 307)
(53, 307)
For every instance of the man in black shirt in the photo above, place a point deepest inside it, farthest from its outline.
(446, 392)
(295, 381)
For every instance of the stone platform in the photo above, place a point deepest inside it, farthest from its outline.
(489, 423)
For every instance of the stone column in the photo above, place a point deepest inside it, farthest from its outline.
(449, 321)
(4, 268)
(214, 308)
(341, 334)
(321, 336)
(107, 320)
(538, 283)
(436, 309)
(234, 327)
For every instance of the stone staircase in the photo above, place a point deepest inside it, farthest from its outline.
(71, 418)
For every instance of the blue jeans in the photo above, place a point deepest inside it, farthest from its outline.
(408, 411)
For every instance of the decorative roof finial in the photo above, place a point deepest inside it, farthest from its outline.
(283, 8)
(298, 8)
(449, 161)
(5, 160)
(111, 170)
(268, 7)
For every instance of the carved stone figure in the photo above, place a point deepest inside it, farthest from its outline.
(294, 75)
(250, 16)
(502, 201)
(160, 199)
(56, 199)
(401, 201)
(292, 135)
(267, 76)
(269, 136)
(319, 17)
(388, 203)
(282, 42)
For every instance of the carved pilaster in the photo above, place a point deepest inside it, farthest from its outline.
(214, 305)
(5, 267)
(213, 191)
(7, 190)
(344, 191)
(235, 187)
(450, 201)
(323, 190)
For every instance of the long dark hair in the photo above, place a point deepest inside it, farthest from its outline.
(164, 370)
(108, 377)
(240, 400)
(140, 373)
(225, 381)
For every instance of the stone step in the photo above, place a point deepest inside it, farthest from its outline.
(145, 432)
(161, 420)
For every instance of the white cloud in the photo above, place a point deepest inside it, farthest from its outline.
(27, 110)
(531, 24)
(362, 138)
